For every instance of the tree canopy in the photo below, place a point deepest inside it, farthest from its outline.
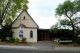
(70, 9)
(9, 8)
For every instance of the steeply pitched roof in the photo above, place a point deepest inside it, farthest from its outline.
(29, 16)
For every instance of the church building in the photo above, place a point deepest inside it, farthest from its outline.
(25, 27)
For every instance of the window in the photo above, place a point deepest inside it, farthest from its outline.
(31, 34)
(21, 33)
(24, 18)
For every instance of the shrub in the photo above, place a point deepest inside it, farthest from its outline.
(0, 40)
(78, 40)
(11, 40)
(3, 39)
(17, 40)
(6, 31)
(7, 39)
(24, 40)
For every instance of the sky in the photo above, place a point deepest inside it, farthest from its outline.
(43, 12)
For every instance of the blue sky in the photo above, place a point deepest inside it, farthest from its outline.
(43, 12)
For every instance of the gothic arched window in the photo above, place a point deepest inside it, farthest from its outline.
(31, 34)
(21, 33)
(24, 18)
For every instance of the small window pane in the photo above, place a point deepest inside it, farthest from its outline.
(31, 34)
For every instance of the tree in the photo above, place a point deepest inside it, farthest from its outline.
(6, 31)
(69, 9)
(9, 8)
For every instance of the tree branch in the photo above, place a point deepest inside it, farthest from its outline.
(4, 12)
(71, 21)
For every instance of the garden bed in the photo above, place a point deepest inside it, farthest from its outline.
(20, 44)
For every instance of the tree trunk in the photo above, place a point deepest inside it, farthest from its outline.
(74, 30)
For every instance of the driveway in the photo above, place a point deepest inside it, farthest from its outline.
(44, 45)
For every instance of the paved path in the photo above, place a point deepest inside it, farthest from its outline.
(18, 47)
(44, 45)
(67, 48)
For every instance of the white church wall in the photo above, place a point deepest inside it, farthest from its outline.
(15, 33)
(29, 25)
(26, 34)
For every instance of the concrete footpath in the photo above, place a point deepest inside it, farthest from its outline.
(35, 48)
(67, 48)
(41, 45)
(18, 47)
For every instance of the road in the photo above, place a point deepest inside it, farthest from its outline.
(33, 51)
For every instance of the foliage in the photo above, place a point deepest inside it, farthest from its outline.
(54, 31)
(69, 9)
(65, 8)
(11, 39)
(9, 8)
(0, 40)
(62, 33)
(6, 31)
(3, 39)
(17, 40)
(78, 41)
(24, 40)
(7, 39)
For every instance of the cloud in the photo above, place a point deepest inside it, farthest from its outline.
(43, 11)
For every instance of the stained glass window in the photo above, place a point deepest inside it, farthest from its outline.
(21, 33)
